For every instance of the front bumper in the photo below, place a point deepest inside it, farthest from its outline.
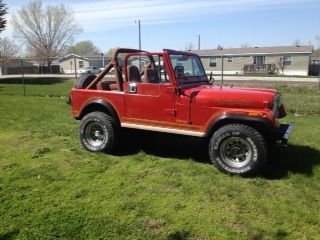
(285, 130)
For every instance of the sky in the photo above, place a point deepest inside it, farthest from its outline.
(176, 24)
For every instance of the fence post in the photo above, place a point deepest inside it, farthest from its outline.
(22, 78)
(75, 68)
(319, 82)
(222, 66)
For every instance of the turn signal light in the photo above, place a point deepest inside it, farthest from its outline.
(255, 114)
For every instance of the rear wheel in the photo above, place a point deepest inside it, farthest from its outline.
(238, 149)
(98, 132)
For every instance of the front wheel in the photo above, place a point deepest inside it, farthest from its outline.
(238, 149)
(98, 132)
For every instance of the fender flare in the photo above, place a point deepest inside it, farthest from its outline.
(98, 105)
(262, 124)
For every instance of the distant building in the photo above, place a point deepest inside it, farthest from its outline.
(72, 62)
(281, 60)
(98, 61)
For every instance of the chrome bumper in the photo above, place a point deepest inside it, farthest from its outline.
(285, 130)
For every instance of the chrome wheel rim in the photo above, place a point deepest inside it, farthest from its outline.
(95, 134)
(236, 151)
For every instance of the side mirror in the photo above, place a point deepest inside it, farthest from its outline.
(179, 71)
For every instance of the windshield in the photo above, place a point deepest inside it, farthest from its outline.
(189, 66)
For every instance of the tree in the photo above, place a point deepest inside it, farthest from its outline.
(189, 46)
(8, 50)
(297, 42)
(318, 39)
(220, 47)
(3, 11)
(245, 45)
(84, 48)
(110, 52)
(47, 31)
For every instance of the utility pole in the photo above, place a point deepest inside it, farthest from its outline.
(198, 41)
(139, 27)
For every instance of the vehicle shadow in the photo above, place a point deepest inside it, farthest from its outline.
(293, 158)
(282, 160)
(164, 145)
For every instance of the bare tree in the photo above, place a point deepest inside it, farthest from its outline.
(245, 45)
(47, 31)
(110, 52)
(220, 47)
(189, 46)
(318, 39)
(297, 42)
(84, 48)
(3, 11)
(8, 50)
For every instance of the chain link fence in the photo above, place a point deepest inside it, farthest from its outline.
(55, 76)
(50, 76)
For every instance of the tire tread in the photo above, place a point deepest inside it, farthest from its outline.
(257, 135)
(110, 123)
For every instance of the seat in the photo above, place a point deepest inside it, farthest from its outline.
(151, 76)
(105, 85)
(102, 86)
(133, 74)
(113, 86)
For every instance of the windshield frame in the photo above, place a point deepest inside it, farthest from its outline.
(193, 79)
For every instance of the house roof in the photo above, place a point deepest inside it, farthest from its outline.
(72, 56)
(255, 51)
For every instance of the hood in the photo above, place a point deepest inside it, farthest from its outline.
(232, 97)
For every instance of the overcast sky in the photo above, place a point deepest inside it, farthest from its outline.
(174, 24)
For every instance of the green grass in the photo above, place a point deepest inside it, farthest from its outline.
(51, 188)
(35, 87)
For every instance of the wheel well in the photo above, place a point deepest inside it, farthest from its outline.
(98, 107)
(257, 125)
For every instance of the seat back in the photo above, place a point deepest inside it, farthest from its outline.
(103, 85)
(133, 74)
(113, 86)
(151, 76)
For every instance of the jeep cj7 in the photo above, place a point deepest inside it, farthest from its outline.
(169, 92)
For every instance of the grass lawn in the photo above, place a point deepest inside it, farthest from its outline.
(51, 188)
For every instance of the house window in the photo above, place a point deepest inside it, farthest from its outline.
(258, 60)
(230, 59)
(81, 64)
(287, 60)
(212, 61)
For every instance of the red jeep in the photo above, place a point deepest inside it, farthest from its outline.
(169, 92)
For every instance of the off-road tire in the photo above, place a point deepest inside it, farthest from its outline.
(238, 149)
(99, 132)
(84, 81)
